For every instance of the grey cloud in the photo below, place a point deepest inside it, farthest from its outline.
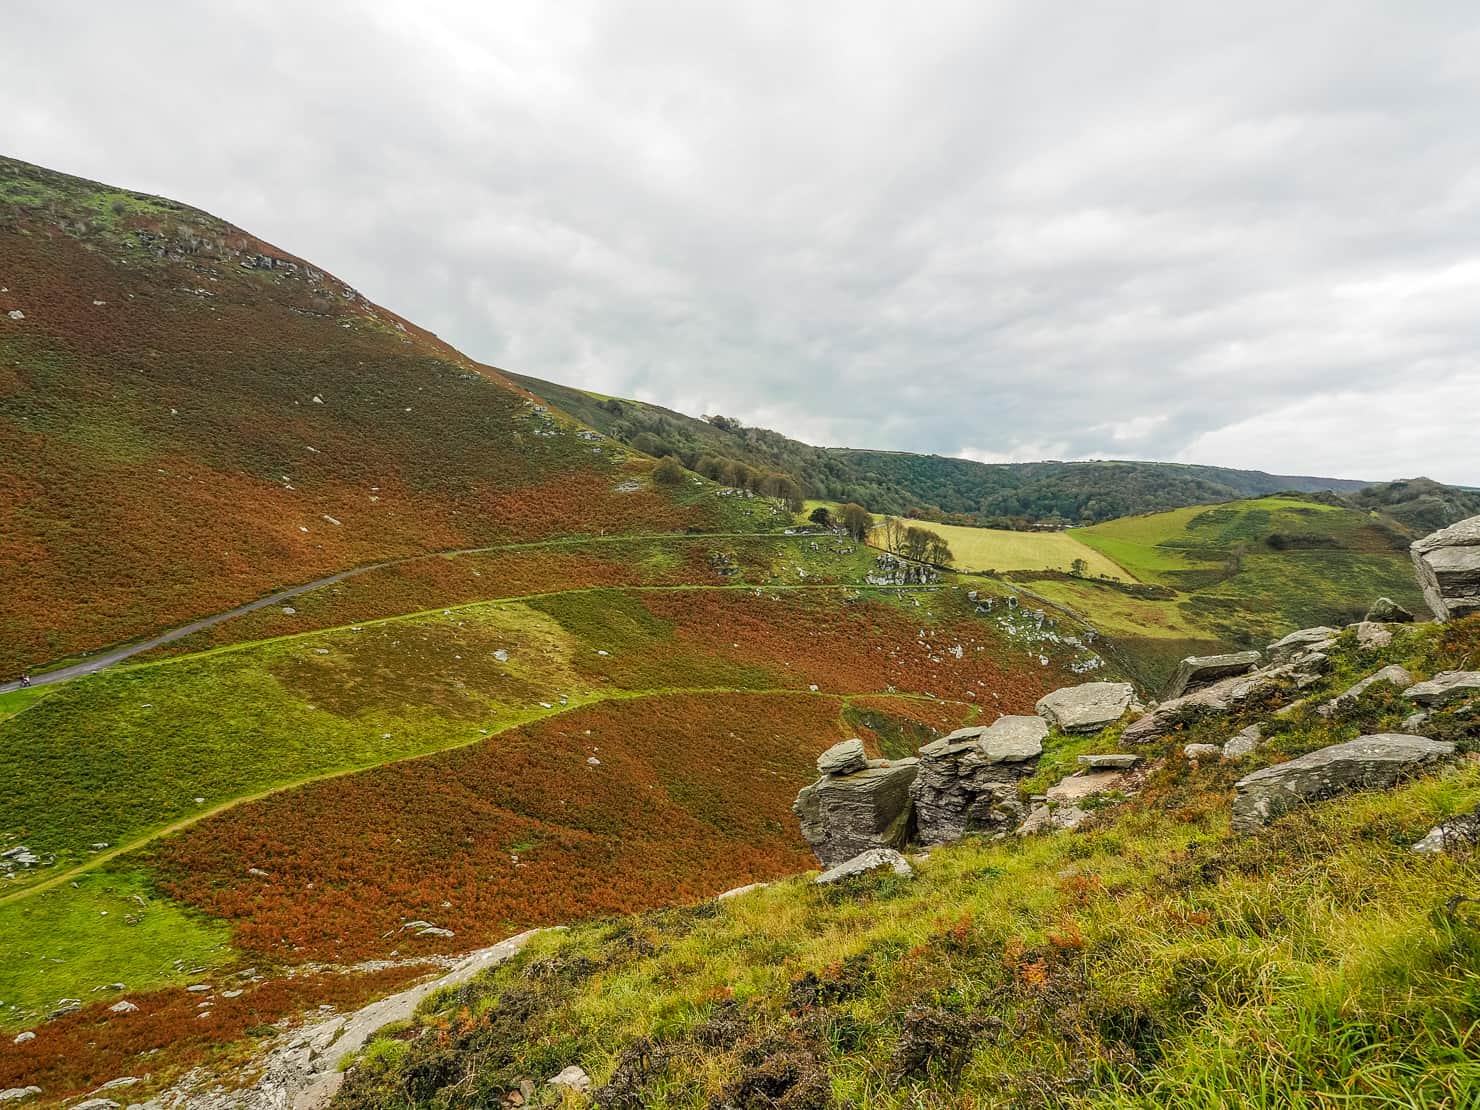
(1244, 235)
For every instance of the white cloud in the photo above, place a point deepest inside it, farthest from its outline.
(1057, 230)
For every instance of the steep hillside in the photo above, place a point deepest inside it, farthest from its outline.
(930, 485)
(1421, 504)
(1151, 956)
(190, 416)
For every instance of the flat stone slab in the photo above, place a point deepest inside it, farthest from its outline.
(1085, 784)
(1283, 650)
(843, 758)
(1109, 761)
(1368, 762)
(872, 860)
(1203, 670)
(1006, 740)
(1445, 687)
(1088, 707)
(1242, 743)
(1394, 676)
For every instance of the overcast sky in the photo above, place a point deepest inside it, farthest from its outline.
(1240, 234)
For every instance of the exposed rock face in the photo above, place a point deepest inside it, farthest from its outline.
(1087, 707)
(1445, 687)
(863, 863)
(1298, 643)
(1394, 676)
(1364, 763)
(1242, 743)
(1197, 671)
(843, 759)
(843, 815)
(1387, 611)
(1061, 808)
(1462, 831)
(1448, 567)
(572, 1078)
(1371, 635)
(967, 781)
(1220, 697)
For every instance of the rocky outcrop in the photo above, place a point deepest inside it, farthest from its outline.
(1445, 687)
(1242, 742)
(1197, 671)
(1371, 635)
(872, 860)
(1394, 676)
(1447, 563)
(1230, 693)
(1299, 643)
(1387, 611)
(843, 815)
(1087, 707)
(1064, 806)
(967, 781)
(845, 758)
(1367, 762)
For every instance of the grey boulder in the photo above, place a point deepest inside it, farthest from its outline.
(1445, 687)
(1109, 761)
(843, 759)
(1203, 670)
(1087, 707)
(1367, 762)
(967, 781)
(1220, 697)
(843, 815)
(1447, 564)
(1394, 676)
(872, 860)
(1462, 831)
(1372, 635)
(1387, 611)
(1298, 643)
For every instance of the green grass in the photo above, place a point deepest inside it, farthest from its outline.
(106, 928)
(995, 549)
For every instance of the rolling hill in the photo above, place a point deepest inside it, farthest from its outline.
(190, 416)
(931, 486)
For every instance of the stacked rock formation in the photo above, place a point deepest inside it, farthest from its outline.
(1448, 567)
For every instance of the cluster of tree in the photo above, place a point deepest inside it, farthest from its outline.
(910, 541)
(1422, 504)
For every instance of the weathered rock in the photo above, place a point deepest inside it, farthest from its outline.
(1220, 697)
(1242, 743)
(96, 1104)
(739, 890)
(1297, 643)
(1046, 818)
(1109, 761)
(1367, 762)
(1084, 784)
(967, 781)
(843, 815)
(1448, 567)
(1461, 831)
(1393, 676)
(124, 1007)
(14, 1095)
(1415, 721)
(1197, 671)
(1371, 635)
(1445, 687)
(1203, 751)
(1387, 611)
(572, 1078)
(863, 863)
(22, 1038)
(844, 758)
(1087, 707)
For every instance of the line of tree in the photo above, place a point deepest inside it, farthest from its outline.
(910, 541)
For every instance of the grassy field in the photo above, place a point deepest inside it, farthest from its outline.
(998, 550)
(1152, 959)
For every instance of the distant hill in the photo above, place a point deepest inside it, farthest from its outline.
(934, 487)
(1421, 503)
(190, 416)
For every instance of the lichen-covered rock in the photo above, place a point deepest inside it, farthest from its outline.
(843, 815)
(1088, 707)
(872, 860)
(1371, 635)
(1242, 743)
(1367, 762)
(1445, 687)
(1298, 643)
(1447, 563)
(1203, 751)
(1108, 761)
(1387, 611)
(1197, 671)
(1230, 693)
(1394, 676)
(967, 781)
(843, 758)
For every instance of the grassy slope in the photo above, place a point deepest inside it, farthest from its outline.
(998, 550)
(1152, 959)
(181, 429)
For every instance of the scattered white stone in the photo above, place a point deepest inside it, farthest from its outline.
(319, 400)
(289, 611)
(572, 1078)
(501, 655)
(1203, 751)
(863, 863)
(22, 1038)
(124, 1007)
(19, 1094)
(16, 314)
(591, 759)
